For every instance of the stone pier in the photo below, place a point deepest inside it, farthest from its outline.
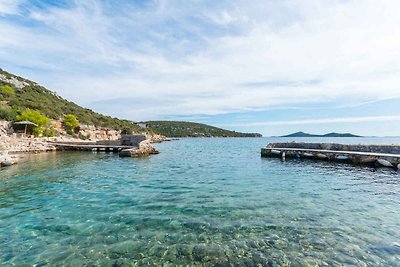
(372, 155)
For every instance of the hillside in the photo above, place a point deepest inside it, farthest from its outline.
(303, 134)
(192, 129)
(18, 94)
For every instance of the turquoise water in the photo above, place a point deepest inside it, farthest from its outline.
(201, 202)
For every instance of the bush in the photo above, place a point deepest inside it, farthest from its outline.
(71, 123)
(36, 117)
(7, 90)
(7, 114)
(49, 132)
(33, 116)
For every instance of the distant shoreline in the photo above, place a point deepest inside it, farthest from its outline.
(332, 134)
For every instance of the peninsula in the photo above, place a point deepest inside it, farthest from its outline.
(34, 119)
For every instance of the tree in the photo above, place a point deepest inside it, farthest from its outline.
(33, 116)
(70, 122)
(36, 117)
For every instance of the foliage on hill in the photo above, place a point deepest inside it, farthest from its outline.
(15, 99)
(303, 134)
(191, 129)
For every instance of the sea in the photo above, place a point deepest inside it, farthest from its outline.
(200, 202)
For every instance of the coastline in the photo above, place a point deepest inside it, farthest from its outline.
(13, 148)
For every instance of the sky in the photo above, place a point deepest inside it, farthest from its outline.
(268, 66)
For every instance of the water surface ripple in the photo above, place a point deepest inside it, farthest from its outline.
(201, 202)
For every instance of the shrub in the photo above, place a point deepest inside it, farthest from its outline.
(71, 123)
(49, 132)
(36, 117)
(7, 114)
(7, 90)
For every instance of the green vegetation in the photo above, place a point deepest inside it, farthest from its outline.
(303, 134)
(71, 123)
(13, 101)
(6, 90)
(43, 127)
(35, 103)
(191, 129)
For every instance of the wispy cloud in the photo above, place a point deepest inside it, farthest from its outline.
(393, 118)
(10, 7)
(188, 58)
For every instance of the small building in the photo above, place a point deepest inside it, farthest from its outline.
(141, 124)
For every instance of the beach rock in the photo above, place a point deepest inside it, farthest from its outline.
(7, 160)
(384, 163)
(144, 149)
(398, 166)
(321, 156)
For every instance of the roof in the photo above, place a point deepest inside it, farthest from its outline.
(25, 123)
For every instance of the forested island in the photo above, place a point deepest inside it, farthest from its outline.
(192, 129)
(333, 134)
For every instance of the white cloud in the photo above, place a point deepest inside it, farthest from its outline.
(10, 7)
(201, 59)
(322, 121)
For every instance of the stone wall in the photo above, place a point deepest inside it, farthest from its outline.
(388, 149)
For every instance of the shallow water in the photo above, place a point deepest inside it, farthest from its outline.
(201, 202)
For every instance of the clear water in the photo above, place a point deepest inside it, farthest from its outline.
(201, 202)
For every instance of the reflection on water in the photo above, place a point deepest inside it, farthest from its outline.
(207, 202)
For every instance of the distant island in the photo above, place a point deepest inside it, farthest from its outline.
(303, 134)
(192, 129)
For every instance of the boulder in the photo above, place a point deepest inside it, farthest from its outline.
(384, 163)
(7, 160)
(144, 149)
(321, 156)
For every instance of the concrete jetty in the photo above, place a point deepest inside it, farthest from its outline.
(372, 155)
(125, 142)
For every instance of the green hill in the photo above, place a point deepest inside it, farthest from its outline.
(303, 134)
(18, 94)
(192, 129)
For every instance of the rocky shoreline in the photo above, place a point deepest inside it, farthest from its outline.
(13, 146)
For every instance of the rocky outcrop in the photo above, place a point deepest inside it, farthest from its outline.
(144, 149)
(94, 133)
(156, 138)
(24, 145)
(19, 83)
(6, 128)
(7, 160)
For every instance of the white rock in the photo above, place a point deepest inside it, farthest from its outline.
(7, 163)
(384, 163)
(321, 156)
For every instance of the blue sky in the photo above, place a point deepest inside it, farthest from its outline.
(273, 67)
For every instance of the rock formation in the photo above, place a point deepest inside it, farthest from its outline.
(144, 149)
